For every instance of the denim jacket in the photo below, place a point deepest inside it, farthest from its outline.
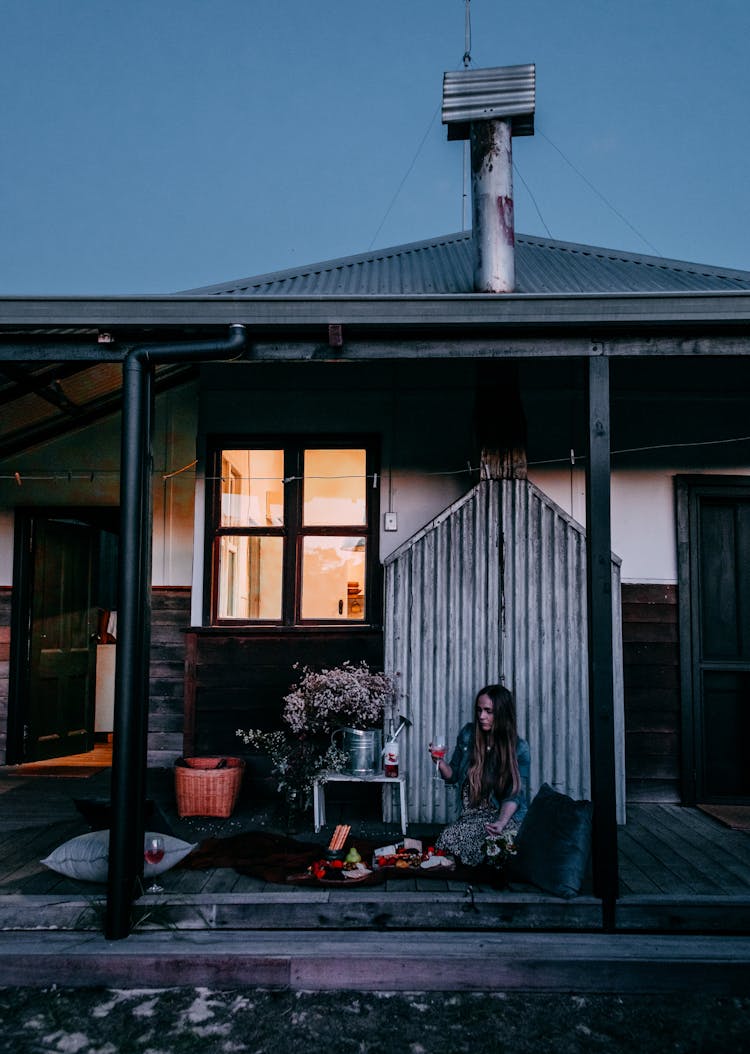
(461, 760)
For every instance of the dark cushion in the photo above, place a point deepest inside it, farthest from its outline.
(554, 843)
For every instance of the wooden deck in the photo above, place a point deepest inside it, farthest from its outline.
(680, 870)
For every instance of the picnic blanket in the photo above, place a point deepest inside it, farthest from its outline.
(280, 859)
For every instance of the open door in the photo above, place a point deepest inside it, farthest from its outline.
(62, 666)
(58, 574)
(714, 557)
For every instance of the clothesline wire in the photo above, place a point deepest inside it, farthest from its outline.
(63, 475)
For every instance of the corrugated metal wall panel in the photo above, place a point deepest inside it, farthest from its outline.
(483, 94)
(443, 635)
(495, 589)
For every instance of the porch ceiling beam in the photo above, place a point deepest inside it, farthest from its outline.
(425, 311)
(40, 379)
(49, 390)
(25, 439)
(54, 351)
(502, 347)
(543, 345)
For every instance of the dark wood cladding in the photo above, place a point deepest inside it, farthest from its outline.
(651, 667)
(5, 598)
(238, 679)
(170, 615)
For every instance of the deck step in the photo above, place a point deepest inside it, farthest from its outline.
(398, 961)
(320, 909)
(327, 911)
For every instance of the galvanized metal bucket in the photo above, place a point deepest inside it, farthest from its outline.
(364, 747)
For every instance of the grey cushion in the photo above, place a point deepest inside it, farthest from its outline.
(86, 857)
(554, 843)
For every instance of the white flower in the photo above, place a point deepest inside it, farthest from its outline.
(343, 695)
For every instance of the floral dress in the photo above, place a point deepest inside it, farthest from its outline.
(465, 838)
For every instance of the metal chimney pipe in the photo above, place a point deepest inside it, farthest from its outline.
(492, 206)
(489, 107)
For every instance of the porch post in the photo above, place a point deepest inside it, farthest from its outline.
(600, 657)
(129, 755)
(133, 633)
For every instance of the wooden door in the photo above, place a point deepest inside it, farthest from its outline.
(62, 640)
(715, 637)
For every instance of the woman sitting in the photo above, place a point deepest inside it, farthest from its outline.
(490, 765)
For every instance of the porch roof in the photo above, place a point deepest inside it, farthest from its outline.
(409, 301)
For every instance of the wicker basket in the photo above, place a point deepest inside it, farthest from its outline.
(202, 789)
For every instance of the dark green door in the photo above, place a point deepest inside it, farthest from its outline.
(61, 687)
(719, 616)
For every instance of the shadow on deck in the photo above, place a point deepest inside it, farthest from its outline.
(680, 870)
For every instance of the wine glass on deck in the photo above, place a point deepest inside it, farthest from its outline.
(438, 749)
(153, 852)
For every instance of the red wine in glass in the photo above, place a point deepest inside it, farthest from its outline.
(438, 749)
(153, 853)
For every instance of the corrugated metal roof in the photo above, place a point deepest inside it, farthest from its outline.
(445, 265)
(483, 95)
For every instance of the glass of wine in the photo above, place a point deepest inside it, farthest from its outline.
(438, 749)
(153, 852)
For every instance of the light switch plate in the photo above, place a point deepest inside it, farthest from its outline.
(390, 521)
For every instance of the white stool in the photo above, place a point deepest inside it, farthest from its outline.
(319, 801)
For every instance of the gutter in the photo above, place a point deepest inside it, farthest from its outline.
(277, 315)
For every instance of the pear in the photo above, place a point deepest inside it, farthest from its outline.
(353, 857)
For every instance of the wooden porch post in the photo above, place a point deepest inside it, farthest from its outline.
(600, 658)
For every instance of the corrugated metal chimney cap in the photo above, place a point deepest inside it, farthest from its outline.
(485, 95)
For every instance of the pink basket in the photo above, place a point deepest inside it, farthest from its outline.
(202, 789)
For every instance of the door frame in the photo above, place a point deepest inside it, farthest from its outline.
(104, 517)
(688, 489)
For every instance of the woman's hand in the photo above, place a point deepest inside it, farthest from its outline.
(494, 828)
(498, 826)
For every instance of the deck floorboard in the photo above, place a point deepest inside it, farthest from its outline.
(667, 853)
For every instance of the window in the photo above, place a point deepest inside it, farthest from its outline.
(292, 533)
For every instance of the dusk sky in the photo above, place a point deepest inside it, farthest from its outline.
(159, 145)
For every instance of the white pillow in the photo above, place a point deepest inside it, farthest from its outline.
(87, 857)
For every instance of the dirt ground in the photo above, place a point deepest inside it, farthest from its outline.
(182, 1020)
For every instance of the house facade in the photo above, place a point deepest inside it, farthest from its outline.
(399, 425)
(367, 458)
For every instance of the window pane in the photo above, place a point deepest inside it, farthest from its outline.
(250, 576)
(335, 488)
(252, 488)
(333, 578)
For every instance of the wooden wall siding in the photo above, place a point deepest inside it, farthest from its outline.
(235, 679)
(5, 595)
(170, 616)
(495, 588)
(652, 692)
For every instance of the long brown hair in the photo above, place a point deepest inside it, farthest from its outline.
(494, 764)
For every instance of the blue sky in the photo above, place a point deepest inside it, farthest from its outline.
(159, 145)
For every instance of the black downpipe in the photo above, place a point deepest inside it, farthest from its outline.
(129, 757)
